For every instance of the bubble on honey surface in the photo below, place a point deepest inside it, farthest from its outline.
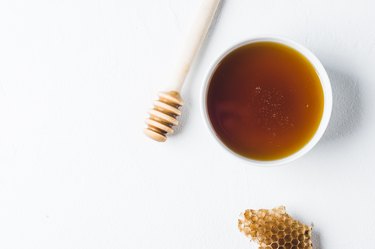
(270, 102)
(275, 229)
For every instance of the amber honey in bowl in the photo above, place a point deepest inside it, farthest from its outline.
(265, 100)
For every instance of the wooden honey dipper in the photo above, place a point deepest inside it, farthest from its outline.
(163, 116)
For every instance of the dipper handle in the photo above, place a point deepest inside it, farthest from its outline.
(163, 117)
(194, 40)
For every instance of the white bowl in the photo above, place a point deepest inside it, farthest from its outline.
(327, 91)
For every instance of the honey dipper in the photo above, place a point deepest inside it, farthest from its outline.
(163, 116)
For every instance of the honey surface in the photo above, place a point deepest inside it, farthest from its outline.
(265, 101)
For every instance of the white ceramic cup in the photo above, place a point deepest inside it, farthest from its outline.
(324, 80)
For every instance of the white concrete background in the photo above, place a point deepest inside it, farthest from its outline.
(76, 79)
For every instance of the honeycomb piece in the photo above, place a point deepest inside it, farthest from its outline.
(275, 229)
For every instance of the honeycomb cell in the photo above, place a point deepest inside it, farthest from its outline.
(274, 245)
(281, 242)
(289, 223)
(267, 241)
(301, 237)
(295, 242)
(295, 226)
(268, 234)
(281, 234)
(274, 237)
(281, 227)
(275, 229)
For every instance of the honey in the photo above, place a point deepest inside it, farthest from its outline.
(265, 101)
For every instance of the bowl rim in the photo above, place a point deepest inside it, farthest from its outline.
(324, 80)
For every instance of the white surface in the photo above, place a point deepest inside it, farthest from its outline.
(76, 79)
